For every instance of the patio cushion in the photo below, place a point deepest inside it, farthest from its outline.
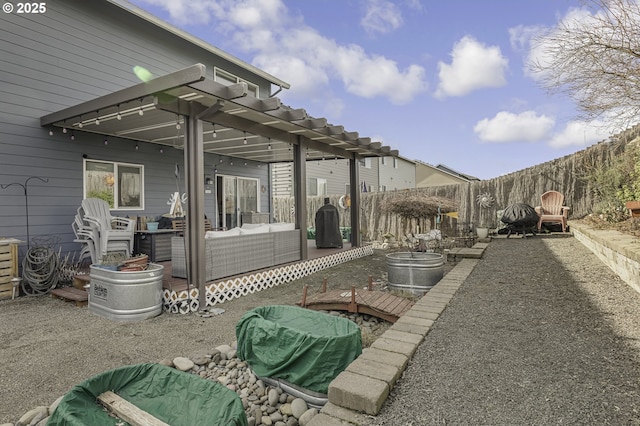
(277, 227)
(263, 228)
(221, 234)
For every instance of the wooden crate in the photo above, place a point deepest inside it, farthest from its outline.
(8, 268)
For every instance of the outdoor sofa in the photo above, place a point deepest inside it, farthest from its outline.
(240, 250)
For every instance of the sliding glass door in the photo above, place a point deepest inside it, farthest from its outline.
(235, 195)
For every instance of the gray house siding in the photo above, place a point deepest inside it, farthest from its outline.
(335, 172)
(77, 51)
(395, 178)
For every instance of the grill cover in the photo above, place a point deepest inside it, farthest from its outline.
(520, 215)
(328, 227)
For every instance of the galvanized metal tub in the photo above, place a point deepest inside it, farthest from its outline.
(126, 295)
(414, 272)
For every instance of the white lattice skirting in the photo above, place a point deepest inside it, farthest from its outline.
(222, 291)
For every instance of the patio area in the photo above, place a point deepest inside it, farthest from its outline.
(178, 298)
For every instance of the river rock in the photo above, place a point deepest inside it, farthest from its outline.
(183, 364)
(307, 416)
(298, 407)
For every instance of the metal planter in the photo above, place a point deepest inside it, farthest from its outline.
(126, 295)
(414, 272)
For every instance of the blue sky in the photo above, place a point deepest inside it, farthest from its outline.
(442, 81)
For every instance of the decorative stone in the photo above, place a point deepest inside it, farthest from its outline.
(286, 409)
(298, 407)
(307, 416)
(183, 364)
(30, 415)
(273, 397)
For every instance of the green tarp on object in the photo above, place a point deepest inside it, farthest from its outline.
(303, 347)
(170, 395)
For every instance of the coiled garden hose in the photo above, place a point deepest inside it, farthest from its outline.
(40, 270)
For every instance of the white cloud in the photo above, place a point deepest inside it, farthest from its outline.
(284, 46)
(509, 127)
(381, 16)
(473, 66)
(537, 40)
(579, 133)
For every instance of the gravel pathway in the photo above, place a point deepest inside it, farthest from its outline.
(540, 333)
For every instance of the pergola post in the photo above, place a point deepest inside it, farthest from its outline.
(300, 193)
(354, 189)
(194, 230)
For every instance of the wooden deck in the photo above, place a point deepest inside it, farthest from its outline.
(379, 304)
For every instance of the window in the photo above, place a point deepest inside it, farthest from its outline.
(395, 163)
(119, 184)
(383, 161)
(228, 79)
(366, 162)
(316, 186)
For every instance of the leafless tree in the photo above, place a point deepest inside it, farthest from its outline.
(594, 58)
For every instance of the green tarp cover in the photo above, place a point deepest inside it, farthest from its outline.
(304, 347)
(170, 395)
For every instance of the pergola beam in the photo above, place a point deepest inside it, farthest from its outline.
(183, 77)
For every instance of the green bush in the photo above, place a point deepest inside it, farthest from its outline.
(615, 183)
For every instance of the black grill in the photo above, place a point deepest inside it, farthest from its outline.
(520, 218)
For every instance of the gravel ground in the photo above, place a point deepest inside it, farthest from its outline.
(540, 333)
(47, 345)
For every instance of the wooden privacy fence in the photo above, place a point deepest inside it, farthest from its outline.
(566, 175)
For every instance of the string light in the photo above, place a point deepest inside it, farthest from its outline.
(177, 122)
(137, 147)
(269, 146)
(214, 132)
(118, 115)
(140, 111)
(98, 118)
(106, 142)
(64, 130)
(50, 132)
(245, 138)
(161, 151)
(72, 137)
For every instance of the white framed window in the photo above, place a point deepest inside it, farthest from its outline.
(119, 184)
(383, 161)
(366, 162)
(228, 79)
(395, 163)
(316, 186)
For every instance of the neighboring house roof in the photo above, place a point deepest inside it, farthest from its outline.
(444, 169)
(455, 173)
(124, 4)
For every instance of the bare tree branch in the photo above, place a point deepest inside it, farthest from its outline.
(594, 58)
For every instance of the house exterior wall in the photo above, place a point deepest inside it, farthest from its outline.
(75, 52)
(401, 175)
(334, 171)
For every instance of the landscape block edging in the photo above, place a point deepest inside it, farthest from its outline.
(618, 251)
(354, 394)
